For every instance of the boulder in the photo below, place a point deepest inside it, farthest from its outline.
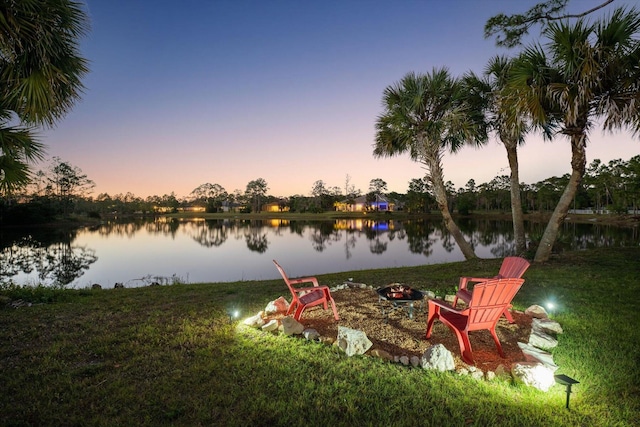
(533, 374)
(291, 326)
(546, 325)
(255, 321)
(415, 361)
(439, 358)
(310, 334)
(542, 340)
(280, 305)
(270, 326)
(533, 354)
(352, 341)
(537, 312)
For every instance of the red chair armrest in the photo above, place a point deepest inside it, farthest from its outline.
(445, 306)
(465, 280)
(304, 280)
(314, 288)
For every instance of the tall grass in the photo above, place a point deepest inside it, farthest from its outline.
(169, 355)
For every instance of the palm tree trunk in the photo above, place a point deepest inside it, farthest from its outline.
(516, 202)
(578, 162)
(437, 181)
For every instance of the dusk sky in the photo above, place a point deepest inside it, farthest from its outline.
(187, 92)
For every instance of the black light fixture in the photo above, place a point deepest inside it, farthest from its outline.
(568, 382)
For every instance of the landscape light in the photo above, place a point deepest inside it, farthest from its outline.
(568, 382)
(233, 314)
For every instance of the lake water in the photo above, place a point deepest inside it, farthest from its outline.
(197, 250)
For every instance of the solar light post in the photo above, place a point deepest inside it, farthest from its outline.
(233, 313)
(568, 382)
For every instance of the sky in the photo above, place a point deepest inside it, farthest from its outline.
(183, 93)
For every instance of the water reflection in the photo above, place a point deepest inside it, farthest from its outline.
(55, 261)
(238, 249)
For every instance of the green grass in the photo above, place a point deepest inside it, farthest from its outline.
(169, 356)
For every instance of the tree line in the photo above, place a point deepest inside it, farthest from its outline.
(63, 189)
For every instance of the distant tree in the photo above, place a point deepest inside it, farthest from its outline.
(425, 115)
(256, 190)
(40, 78)
(170, 201)
(419, 198)
(377, 187)
(319, 190)
(467, 198)
(349, 189)
(211, 194)
(66, 183)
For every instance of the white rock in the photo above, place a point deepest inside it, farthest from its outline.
(477, 375)
(310, 334)
(272, 325)
(279, 305)
(541, 340)
(352, 341)
(439, 358)
(415, 361)
(536, 311)
(547, 325)
(404, 360)
(533, 354)
(255, 321)
(291, 326)
(533, 374)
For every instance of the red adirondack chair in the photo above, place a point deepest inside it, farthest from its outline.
(488, 301)
(306, 297)
(512, 267)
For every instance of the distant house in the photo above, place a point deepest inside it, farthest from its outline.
(360, 204)
(192, 209)
(280, 206)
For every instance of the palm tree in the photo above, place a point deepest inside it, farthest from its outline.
(509, 125)
(588, 72)
(40, 72)
(425, 115)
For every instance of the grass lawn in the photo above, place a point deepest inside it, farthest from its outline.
(170, 356)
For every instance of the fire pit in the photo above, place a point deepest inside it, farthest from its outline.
(400, 296)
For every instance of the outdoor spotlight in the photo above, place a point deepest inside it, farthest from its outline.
(233, 313)
(568, 382)
(550, 305)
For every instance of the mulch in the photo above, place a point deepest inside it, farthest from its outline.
(399, 335)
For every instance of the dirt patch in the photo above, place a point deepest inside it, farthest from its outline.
(401, 336)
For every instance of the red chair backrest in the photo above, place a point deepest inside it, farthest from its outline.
(286, 279)
(513, 267)
(489, 299)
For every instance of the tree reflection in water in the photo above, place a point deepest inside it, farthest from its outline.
(57, 263)
(54, 258)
